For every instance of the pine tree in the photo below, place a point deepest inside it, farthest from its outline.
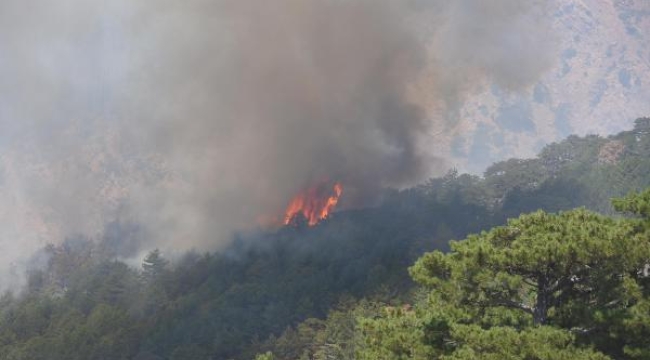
(572, 285)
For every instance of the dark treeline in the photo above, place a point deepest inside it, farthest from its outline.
(297, 290)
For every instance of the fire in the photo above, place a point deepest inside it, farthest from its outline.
(314, 204)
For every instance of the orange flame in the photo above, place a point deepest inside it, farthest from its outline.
(314, 204)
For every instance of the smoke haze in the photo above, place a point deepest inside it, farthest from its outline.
(198, 118)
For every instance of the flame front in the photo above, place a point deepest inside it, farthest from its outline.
(314, 204)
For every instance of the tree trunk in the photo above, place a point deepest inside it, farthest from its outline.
(540, 314)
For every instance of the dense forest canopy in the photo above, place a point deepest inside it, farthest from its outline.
(342, 289)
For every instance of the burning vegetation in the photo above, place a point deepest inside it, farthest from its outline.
(314, 204)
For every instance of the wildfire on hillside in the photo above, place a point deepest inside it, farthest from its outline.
(314, 204)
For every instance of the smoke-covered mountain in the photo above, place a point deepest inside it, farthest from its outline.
(196, 121)
(597, 85)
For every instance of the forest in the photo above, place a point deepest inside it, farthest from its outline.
(542, 258)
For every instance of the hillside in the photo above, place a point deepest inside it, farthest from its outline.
(597, 83)
(87, 304)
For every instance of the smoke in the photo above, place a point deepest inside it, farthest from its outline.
(509, 43)
(198, 118)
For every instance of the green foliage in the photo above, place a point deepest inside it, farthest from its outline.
(540, 264)
(266, 356)
(153, 266)
(336, 337)
(542, 286)
(192, 352)
(399, 334)
(572, 285)
(106, 333)
(502, 342)
(637, 204)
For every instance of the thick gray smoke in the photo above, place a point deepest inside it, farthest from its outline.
(198, 118)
